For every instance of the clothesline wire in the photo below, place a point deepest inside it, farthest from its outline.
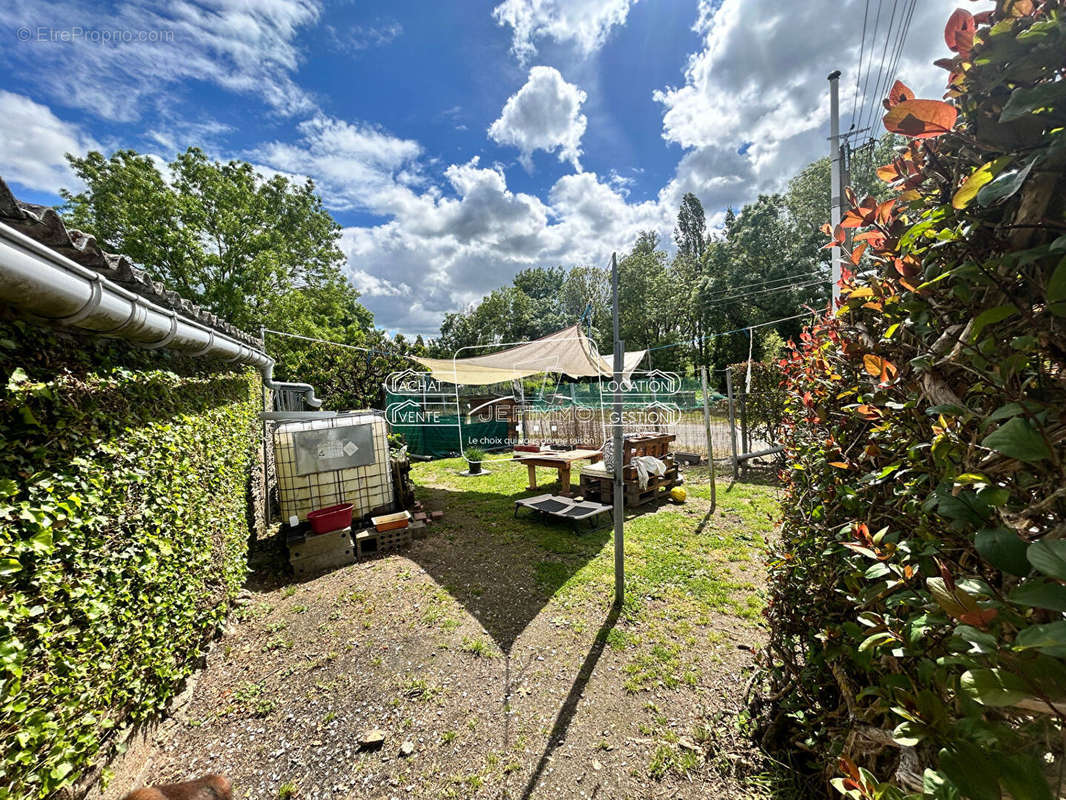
(808, 313)
(391, 353)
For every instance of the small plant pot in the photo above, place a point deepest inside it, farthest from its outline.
(474, 467)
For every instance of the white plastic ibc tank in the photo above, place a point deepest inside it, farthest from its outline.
(305, 485)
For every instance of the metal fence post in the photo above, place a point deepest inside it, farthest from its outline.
(732, 421)
(707, 426)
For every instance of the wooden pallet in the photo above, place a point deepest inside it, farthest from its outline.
(600, 488)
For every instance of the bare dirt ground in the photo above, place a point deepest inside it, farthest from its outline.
(490, 658)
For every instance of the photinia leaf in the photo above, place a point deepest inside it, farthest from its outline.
(959, 31)
(1040, 594)
(921, 119)
(1003, 549)
(971, 771)
(897, 94)
(1017, 438)
(990, 316)
(888, 173)
(1049, 558)
(1024, 100)
(1049, 639)
(1056, 290)
(978, 178)
(993, 687)
(1004, 185)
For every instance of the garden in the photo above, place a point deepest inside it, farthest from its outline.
(490, 660)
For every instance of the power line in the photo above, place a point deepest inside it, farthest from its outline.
(909, 15)
(858, 72)
(746, 295)
(879, 80)
(869, 64)
(775, 280)
(807, 313)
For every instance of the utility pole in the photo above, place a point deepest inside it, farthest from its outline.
(619, 446)
(835, 179)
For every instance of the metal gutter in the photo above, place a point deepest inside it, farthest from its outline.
(39, 281)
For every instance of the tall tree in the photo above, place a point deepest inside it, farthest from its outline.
(691, 231)
(256, 251)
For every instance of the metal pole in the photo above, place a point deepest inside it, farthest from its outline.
(619, 444)
(732, 421)
(834, 161)
(707, 426)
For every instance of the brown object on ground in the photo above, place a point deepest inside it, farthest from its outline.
(209, 787)
(390, 522)
(372, 740)
(561, 462)
(436, 516)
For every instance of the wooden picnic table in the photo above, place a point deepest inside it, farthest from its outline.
(558, 460)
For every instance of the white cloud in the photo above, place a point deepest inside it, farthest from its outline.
(136, 54)
(440, 253)
(363, 37)
(582, 23)
(35, 142)
(545, 114)
(356, 166)
(759, 84)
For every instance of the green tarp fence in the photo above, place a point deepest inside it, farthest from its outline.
(448, 434)
(446, 437)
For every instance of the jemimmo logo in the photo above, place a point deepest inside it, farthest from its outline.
(412, 412)
(656, 415)
(411, 382)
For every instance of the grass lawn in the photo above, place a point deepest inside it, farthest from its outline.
(490, 647)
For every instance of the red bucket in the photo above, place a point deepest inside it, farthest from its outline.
(331, 518)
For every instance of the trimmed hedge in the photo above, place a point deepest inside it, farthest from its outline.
(123, 501)
(918, 639)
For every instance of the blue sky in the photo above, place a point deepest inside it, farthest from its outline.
(455, 142)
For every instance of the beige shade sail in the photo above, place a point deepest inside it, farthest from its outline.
(568, 352)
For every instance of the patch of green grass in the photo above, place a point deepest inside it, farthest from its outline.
(477, 647)
(288, 790)
(278, 643)
(418, 688)
(299, 609)
(448, 737)
(253, 611)
(668, 758)
(288, 591)
(248, 697)
(684, 566)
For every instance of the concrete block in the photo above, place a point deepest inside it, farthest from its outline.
(322, 543)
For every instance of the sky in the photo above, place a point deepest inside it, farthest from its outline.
(457, 143)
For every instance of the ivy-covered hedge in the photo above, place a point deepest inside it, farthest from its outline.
(123, 536)
(918, 639)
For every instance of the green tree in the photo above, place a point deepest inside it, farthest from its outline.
(255, 251)
(691, 231)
